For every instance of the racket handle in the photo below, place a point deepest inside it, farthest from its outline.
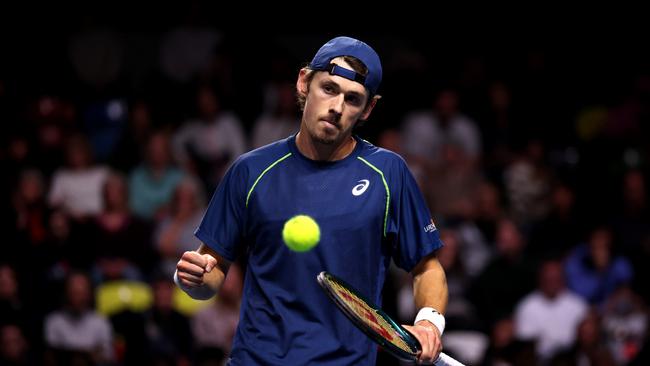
(444, 360)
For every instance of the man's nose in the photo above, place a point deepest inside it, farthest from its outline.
(337, 104)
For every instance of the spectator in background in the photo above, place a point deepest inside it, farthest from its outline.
(175, 233)
(280, 117)
(527, 184)
(631, 227)
(168, 333)
(14, 349)
(134, 137)
(625, 321)
(209, 144)
(461, 314)
(454, 183)
(506, 349)
(507, 278)
(76, 331)
(424, 134)
(11, 306)
(489, 209)
(593, 271)
(214, 326)
(559, 231)
(549, 315)
(77, 188)
(121, 241)
(589, 347)
(25, 222)
(152, 183)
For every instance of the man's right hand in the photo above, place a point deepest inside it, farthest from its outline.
(192, 267)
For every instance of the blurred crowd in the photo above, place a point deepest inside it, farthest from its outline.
(538, 183)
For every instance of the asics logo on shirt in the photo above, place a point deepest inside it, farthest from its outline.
(361, 187)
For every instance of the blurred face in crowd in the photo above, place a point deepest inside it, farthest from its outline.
(488, 200)
(163, 294)
(8, 284)
(499, 96)
(503, 333)
(158, 153)
(634, 188)
(207, 104)
(333, 104)
(551, 279)
(599, 248)
(589, 331)
(508, 237)
(78, 153)
(447, 104)
(185, 199)
(78, 292)
(140, 118)
(31, 186)
(563, 199)
(12, 343)
(115, 193)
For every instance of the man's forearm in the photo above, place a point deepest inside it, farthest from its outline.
(430, 285)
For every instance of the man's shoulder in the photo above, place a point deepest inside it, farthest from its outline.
(379, 156)
(265, 155)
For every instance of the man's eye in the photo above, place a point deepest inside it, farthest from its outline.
(354, 100)
(328, 89)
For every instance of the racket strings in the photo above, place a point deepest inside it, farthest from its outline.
(370, 316)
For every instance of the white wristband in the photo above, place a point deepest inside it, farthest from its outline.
(433, 316)
(178, 282)
(197, 293)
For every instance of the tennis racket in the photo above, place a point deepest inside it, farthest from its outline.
(376, 324)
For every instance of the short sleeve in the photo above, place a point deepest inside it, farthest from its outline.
(222, 225)
(409, 223)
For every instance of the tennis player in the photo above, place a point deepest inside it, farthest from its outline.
(366, 202)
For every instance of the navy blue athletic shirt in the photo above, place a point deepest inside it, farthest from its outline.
(369, 209)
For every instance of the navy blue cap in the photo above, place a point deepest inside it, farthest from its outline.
(346, 46)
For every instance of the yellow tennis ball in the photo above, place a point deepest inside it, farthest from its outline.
(301, 233)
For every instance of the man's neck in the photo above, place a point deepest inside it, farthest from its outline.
(315, 150)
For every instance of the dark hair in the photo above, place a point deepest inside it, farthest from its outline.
(354, 62)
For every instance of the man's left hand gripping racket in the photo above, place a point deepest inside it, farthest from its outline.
(376, 324)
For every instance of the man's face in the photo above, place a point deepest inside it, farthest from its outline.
(333, 105)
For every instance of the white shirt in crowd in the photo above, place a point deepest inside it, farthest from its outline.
(552, 323)
(78, 192)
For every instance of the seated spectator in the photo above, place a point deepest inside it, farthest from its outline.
(460, 313)
(76, 331)
(589, 347)
(175, 233)
(14, 349)
(506, 279)
(505, 349)
(280, 119)
(168, 334)
(209, 144)
(77, 188)
(121, 241)
(625, 322)
(152, 184)
(593, 271)
(550, 315)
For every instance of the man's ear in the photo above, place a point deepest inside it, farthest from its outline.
(302, 84)
(371, 105)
